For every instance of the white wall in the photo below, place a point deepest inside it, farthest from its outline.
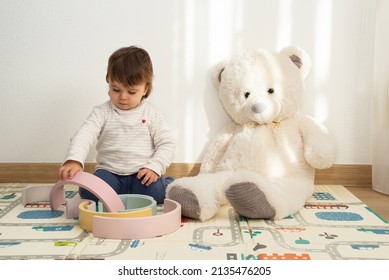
(53, 57)
(380, 116)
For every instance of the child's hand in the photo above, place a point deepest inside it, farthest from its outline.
(148, 176)
(69, 169)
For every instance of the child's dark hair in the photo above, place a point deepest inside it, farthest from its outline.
(131, 66)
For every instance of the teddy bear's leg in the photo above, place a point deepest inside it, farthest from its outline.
(241, 195)
(255, 196)
(190, 206)
(200, 196)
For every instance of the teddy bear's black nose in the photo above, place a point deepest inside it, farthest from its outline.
(258, 107)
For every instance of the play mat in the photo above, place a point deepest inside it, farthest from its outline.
(334, 224)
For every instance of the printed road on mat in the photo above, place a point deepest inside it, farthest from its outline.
(333, 224)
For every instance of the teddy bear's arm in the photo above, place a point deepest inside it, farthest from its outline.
(319, 148)
(217, 149)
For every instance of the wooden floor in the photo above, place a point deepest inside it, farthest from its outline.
(377, 201)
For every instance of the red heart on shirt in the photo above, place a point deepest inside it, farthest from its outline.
(143, 121)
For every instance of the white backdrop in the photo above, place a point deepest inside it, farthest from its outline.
(381, 101)
(53, 57)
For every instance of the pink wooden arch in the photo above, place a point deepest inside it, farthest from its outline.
(92, 183)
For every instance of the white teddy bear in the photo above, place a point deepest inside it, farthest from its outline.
(264, 162)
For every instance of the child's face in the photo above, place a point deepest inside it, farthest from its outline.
(126, 97)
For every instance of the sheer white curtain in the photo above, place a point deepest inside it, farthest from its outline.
(380, 118)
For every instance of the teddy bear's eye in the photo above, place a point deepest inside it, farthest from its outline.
(246, 94)
(270, 91)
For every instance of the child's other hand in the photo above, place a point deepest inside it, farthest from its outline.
(69, 169)
(148, 176)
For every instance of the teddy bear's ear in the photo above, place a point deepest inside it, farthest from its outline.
(300, 58)
(217, 74)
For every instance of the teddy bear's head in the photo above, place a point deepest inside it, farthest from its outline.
(260, 86)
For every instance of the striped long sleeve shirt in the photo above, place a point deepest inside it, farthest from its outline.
(127, 140)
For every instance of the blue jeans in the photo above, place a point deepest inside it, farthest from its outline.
(130, 185)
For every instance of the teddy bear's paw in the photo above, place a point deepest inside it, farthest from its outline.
(189, 203)
(249, 201)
